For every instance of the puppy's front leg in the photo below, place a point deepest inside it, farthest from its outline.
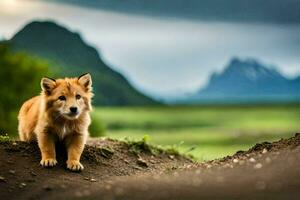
(46, 142)
(75, 144)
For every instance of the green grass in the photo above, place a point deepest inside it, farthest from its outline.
(205, 132)
(4, 138)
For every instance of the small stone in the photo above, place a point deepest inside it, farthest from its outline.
(90, 179)
(171, 157)
(241, 162)
(142, 162)
(258, 166)
(264, 151)
(235, 160)
(22, 185)
(126, 161)
(14, 143)
(268, 160)
(152, 161)
(137, 167)
(33, 174)
(252, 160)
(12, 171)
(186, 167)
(227, 165)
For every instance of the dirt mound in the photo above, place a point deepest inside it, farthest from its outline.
(266, 171)
(22, 177)
(274, 146)
(118, 170)
(258, 150)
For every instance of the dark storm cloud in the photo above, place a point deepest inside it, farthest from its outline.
(258, 11)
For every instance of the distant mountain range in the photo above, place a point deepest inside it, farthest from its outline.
(71, 56)
(247, 81)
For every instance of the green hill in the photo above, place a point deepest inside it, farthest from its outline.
(71, 56)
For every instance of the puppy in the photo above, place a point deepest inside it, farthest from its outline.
(59, 113)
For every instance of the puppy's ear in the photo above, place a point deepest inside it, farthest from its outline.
(86, 81)
(47, 84)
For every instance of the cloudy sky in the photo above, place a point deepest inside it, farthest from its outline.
(165, 55)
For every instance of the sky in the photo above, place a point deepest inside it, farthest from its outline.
(163, 56)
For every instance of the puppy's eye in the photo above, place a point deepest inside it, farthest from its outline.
(78, 96)
(62, 98)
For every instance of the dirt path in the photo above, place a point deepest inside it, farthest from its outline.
(113, 170)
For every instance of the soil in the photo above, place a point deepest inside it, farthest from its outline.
(114, 171)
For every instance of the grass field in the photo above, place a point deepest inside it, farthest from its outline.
(206, 132)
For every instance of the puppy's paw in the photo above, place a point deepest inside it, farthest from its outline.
(50, 162)
(74, 165)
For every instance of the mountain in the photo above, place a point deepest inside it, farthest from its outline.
(71, 56)
(249, 81)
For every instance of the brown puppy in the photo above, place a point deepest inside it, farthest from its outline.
(61, 112)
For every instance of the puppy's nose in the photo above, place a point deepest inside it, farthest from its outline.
(73, 109)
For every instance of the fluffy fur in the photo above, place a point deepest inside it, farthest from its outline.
(59, 113)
